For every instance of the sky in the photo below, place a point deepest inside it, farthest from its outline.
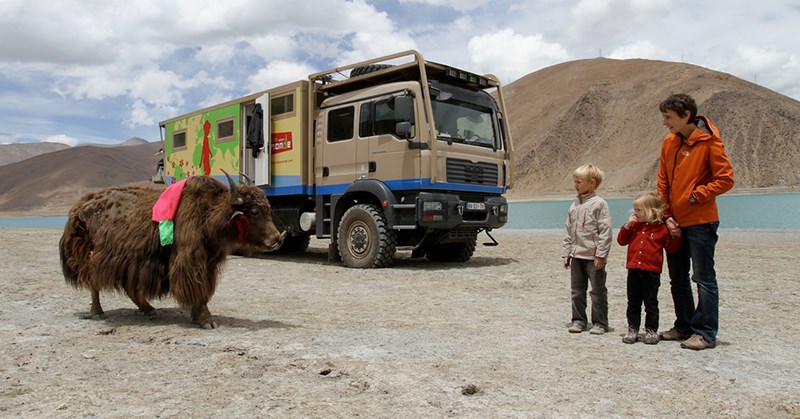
(104, 71)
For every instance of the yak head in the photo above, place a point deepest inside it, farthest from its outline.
(252, 219)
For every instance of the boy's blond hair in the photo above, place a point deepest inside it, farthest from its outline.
(589, 172)
(652, 204)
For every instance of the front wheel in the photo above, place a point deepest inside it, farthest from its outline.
(364, 239)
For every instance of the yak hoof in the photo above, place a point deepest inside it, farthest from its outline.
(209, 325)
(95, 316)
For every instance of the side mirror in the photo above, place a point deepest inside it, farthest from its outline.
(403, 130)
(403, 108)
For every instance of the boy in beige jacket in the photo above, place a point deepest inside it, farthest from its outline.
(585, 250)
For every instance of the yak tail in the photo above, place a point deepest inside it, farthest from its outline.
(74, 248)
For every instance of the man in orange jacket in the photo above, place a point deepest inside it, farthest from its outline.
(693, 171)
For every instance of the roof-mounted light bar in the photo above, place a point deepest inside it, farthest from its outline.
(466, 77)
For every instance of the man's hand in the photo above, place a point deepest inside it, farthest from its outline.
(566, 262)
(673, 227)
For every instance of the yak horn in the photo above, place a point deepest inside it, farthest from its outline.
(247, 179)
(235, 198)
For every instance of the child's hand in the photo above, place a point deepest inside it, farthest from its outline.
(673, 227)
(631, 220)
(566, 262)
(599, 263)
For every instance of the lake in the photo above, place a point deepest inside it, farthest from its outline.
(772, 211)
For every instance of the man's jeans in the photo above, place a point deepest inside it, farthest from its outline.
(696, 252)
(582, 273)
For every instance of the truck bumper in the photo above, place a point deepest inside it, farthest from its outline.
(450, 211)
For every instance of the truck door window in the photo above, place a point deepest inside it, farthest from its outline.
(377, 118)
(340, 124)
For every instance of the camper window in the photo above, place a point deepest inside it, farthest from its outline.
(225, 129)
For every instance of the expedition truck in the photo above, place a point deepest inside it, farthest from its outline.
(393, 153)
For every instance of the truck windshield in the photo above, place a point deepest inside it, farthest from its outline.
(464, 116)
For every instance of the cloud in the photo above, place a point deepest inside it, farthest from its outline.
(278, 73)
(639, 49)
(604, 22)
(460, 5)
(61, 138)
(490, 53)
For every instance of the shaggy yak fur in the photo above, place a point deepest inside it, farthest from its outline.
(111, 243)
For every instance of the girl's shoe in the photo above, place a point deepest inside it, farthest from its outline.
(650, 337)
(631, 336)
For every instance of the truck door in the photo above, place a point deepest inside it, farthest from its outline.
(256, 151)
(336, 150)
(381, 153)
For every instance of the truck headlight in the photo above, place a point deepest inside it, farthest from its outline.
(431, 206)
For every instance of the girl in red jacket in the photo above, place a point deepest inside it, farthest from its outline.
(647, 238)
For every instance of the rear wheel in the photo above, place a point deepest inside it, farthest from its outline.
(451, 252)
(295, 244)
(364, 240)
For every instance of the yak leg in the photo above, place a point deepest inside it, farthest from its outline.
(96, 312)
(142, 303)
(202, 316)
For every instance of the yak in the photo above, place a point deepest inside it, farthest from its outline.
(111, 242)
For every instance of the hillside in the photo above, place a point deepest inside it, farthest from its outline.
(55, 181)
(12, 153)
(606, 112)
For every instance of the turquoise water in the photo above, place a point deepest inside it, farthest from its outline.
(774, 211)
(781, 211)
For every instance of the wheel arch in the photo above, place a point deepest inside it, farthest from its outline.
(370, 191)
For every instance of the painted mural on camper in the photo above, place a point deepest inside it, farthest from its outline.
(203, 144)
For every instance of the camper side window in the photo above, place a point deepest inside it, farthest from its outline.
(225, 129)
(282, 105)
(340, 124)
(179, 139)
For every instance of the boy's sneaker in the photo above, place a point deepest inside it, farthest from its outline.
(631, 336)
(698, 343)
(597, 330)
(576, 327)
(673, 334)
(650, 337)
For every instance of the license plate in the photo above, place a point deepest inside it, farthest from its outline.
(476, 206)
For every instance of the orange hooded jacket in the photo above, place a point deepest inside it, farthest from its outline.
(696, 167)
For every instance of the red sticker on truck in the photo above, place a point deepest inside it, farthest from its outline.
(282, 141)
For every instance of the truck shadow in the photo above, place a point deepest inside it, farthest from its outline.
(319, 256)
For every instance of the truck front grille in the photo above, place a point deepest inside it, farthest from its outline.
(465, 171)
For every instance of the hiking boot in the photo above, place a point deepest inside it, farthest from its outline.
(597, 330)
(650, 337)
(673, 334)
(698, 343)
(631, 336)
(576, 327)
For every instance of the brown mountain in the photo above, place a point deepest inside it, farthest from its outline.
(53, 182)
(606, 112)
(600, 111)
(12, 153)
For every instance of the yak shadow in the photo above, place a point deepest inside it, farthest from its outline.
(174, 316)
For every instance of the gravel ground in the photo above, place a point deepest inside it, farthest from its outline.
(300, 337)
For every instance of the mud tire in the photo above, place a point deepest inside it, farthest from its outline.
(364, 240)
(451, 252)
